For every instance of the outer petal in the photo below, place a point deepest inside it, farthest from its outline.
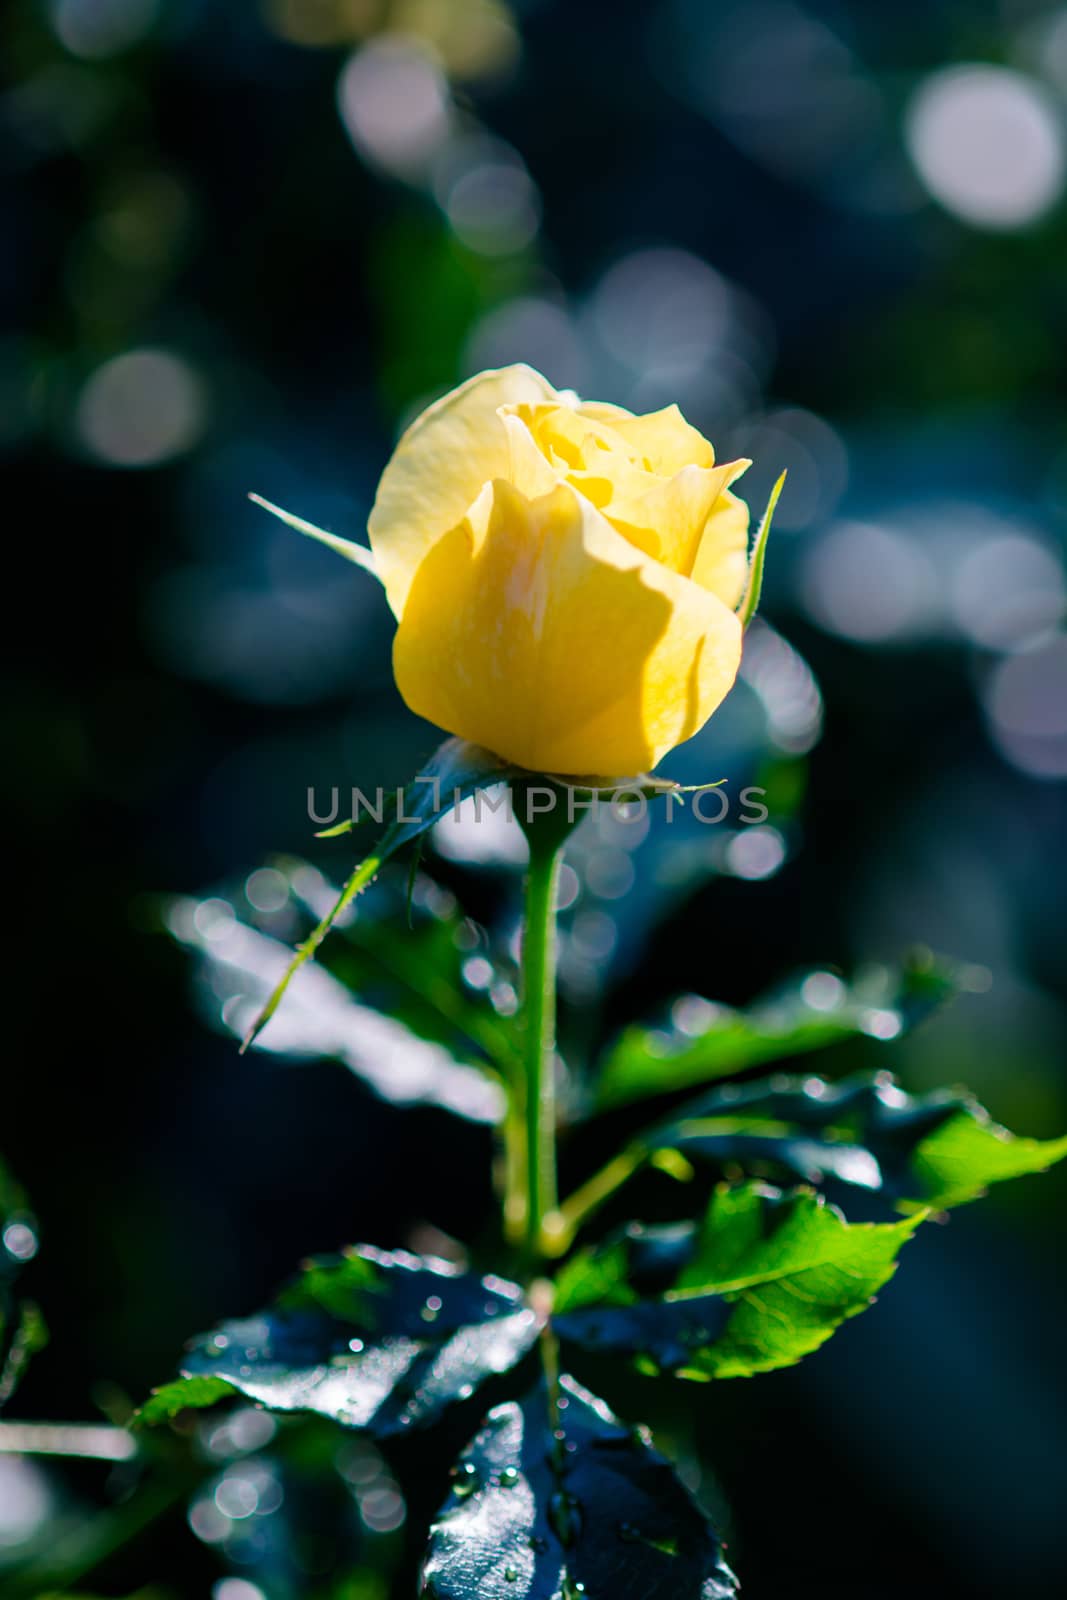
(533, 628)
(721, 563)
(438, 468)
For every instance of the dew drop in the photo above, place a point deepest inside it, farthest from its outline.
(509, 1477)
(464, 1479)
(511, 1574)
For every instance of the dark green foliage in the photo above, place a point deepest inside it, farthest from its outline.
(369, 1339)
(554, 1504)
(917, 1151)
(810, 1014)
(407, 955)
(553, 1508)
(22, 1328)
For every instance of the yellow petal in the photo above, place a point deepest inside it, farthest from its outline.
(721, 563)
(533, 628)
(439, 467)
(667, 516)
(529, 469)
(662, 439)
(604, 411)
(607, 454)
(567, 437)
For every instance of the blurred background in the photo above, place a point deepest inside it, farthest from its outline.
(241, 247)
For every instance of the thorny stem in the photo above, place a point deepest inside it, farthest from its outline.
(359, 879)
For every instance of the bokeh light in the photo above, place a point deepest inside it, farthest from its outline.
(487, 194)
(141, 409)
(988, 143)
(1026, 701)
(870, 583)
(26, 1500)
(97, 29)
(395, 105)
(1007, 591)
(508, 333)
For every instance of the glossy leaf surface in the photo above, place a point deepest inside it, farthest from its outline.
(591, 1510)
(375, 1340)
(865, 1133)
(321, 1017)
(708, 1041)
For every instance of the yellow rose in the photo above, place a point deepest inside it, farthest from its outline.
(564, 575)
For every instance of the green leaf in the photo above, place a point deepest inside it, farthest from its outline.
(587, 1508)
(709, 1041)
(411, 958)
(184, 1394)
(456, 770)
(750, 602)
(926, 1151)
(968, 1152)
(370, 1339)
(321, 1018)
(764, 1280)
(30, 1334)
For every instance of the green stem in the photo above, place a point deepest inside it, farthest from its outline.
(516, 1199)
(584, 1201)
(539, 991)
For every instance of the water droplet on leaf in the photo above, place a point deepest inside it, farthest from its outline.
(464, 1479)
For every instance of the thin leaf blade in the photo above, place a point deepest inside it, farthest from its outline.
(754, 588)
(456, 770)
